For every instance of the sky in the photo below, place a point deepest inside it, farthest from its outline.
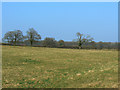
(62, 20)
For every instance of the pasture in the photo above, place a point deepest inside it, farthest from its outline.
(38, 67)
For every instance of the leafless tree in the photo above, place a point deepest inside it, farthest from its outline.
(32, 36)
(81, 39)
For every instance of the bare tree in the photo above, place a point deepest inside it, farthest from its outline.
(81, 39)
(9, 37)
(32, 36)
(13, 36)
(18, 36)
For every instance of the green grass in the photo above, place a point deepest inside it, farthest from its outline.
(37, 67)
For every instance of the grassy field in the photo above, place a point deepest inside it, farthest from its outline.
(38, 67)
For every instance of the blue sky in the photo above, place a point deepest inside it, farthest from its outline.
(62, 20)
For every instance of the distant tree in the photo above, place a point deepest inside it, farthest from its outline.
(81, 39)
(32, 36)
(18, 36)
(9, 37)
(49, 42)
(100, 45)
(93, 44)
(61, 43)
(13, 36)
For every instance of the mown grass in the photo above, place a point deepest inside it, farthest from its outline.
(37, 67)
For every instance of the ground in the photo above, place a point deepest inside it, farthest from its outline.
(38, 67)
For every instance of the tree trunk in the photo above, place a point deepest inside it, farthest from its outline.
(15, 41)
(80, 45)
(31, 43)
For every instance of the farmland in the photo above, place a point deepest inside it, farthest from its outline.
(38, 67)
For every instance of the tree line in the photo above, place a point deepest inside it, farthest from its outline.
(33, 38)
(17, 36)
